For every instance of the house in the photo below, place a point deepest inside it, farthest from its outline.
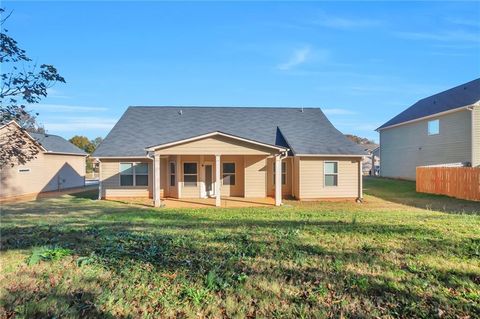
(373, 156)
(200, 152)
(58, 165)
(441, 129)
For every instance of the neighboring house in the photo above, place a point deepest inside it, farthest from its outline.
(372, 156)
(199, 152)
(59, 165)
(441, 129)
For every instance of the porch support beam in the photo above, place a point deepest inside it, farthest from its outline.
(278, 180)
(217, 181)
(156, 181)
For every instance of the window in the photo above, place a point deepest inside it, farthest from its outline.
(24, 170)
(141, 174)
(284, 173)
(126, 174)
(229, 174)
(133, 174)
(433, 127)
(171, 172)
(190, 174)
(331, 173)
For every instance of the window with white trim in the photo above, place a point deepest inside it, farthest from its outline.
(133, 174)
(172, 174)
(434, 127)
(24, 170)
(284, 173)
(141, 174)
(330, 173)
(229, 174)
(190, 174)
(126, 174)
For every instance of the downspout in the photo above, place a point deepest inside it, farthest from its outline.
(472, 139)
(360, 181)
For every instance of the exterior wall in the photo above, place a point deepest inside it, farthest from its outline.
(238, 188)
(48, 172)
(110, 179)
(296, 177)
(216, 145)
(407, 146)
(195, 191)
(476, 137)
(311, 178)
(287, 187)
(255, 176)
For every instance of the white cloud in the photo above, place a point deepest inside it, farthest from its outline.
(72, 124)
(54, 93)
(298, 57)
(330, 21)
(465, 22)
(445, 36)
(338, 111)
(66, 108)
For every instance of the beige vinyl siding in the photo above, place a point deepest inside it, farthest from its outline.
(476, 137)
(255, 176)
(238, 188)
(311, 172)
(407, 146)
(296, 177)
(216, 145)
(48, 172)
(110, 179)
(287, 187)
(190, 191)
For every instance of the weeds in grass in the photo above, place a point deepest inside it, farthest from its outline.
(47, 254)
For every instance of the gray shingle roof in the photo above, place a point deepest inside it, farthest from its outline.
(462, 95)
(307, 132)
(56, 144)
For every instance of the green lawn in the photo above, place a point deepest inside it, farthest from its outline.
(392, 256)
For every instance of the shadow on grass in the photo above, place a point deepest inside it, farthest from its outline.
(403, 192)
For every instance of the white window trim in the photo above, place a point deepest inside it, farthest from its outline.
(133, 174)
(428, 127)
(170, 173)
(324, 173)
(283, 173)
(230, 174)
(183, 173)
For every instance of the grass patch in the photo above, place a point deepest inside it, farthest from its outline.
(392, 256)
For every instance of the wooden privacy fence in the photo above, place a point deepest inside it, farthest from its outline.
(459, 182)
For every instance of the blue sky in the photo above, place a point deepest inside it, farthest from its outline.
(361, 62)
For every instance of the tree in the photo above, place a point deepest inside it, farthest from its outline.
(22, 83)
(97, 141)
(83, 143)
(358, 139)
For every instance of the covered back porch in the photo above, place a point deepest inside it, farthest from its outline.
(216, 170)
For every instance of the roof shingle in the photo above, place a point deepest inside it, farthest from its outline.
(304, 131)
(462, 95)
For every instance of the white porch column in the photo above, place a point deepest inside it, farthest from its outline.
(218, 202)
(156, 180)
(278, 180)
(178, 168)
